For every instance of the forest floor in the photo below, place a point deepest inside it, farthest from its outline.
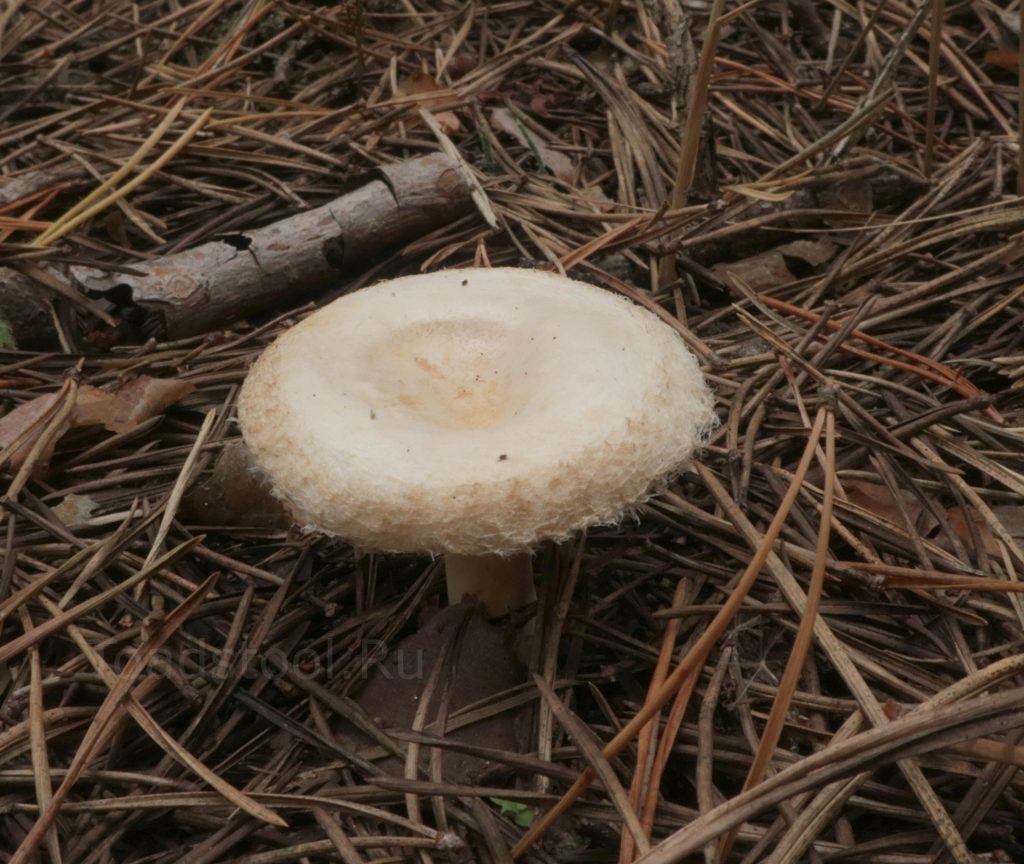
(822, 198)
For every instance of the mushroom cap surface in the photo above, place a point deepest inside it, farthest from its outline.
(472, 411)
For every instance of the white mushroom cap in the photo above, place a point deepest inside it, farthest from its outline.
(472, 411)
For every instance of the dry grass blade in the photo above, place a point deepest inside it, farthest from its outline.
(591, 751)
(697, 105)
(906, 577)
(65, 404)
(912, 735)
(840, 657)
(168, 743)
(67, 225)
(97, 552)
(642, 776)
(938, 30)
(705, 752)
(59, 622)
(342, 845)
(111, 182)
(178, 490)
(695, 658)
(802, 642)
(820, 812)
(37, 732)
(98, 729)
(665, 746)
(855, 220)
(1020, 104)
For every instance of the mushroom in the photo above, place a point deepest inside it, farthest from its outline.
(473, 413)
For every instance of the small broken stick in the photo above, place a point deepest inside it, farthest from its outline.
(199, 289)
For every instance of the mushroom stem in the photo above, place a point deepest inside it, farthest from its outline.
(501, 583)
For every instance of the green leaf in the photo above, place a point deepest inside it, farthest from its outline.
(6, 336)
(522, 814)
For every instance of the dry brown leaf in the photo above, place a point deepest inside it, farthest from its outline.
(958, 521)
(542, 103)
(119, 411)
(597, 195)
(17, 426)
(811, 252)
(892, 709)
(876, 498)
(760, 272)
(1010, 516)
(602, 59)
(75, 510)
(557, 163)
(432, 97)
(131, 404)
(1008, 60)
(771, 269)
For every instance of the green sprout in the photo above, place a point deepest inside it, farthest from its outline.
(522, 814)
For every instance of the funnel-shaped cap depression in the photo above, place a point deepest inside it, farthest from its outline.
(472, 411)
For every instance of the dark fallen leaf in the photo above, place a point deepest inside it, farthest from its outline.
(487, 665)
(852, 196)
(597, 195)
(461, 64)
(760, 272)
(236, 494)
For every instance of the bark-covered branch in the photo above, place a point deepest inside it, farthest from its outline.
(201, 288)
